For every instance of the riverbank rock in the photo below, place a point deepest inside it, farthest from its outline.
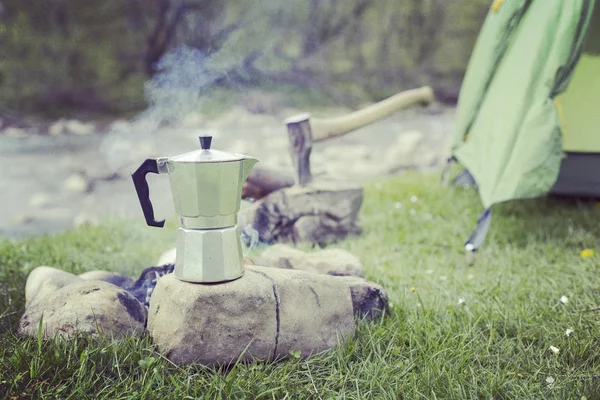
(88, 307)
(265, 314)
(328, 261)
(76, 183)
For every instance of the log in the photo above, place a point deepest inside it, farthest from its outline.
(263, 181)
(320, 213)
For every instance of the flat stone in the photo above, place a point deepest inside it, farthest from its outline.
(263, 315)
(89, 307)
(329, 261)
(76, 183)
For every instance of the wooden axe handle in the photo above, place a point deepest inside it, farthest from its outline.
(323, 129)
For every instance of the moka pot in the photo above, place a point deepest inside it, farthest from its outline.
(206, 186)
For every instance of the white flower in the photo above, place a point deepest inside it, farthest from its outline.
(412, 211)
(471, 276)
(461, 300)
(569, 331)
(564, 299)
(414, 199)
(550, 381)
(555, 350)
(398, 205)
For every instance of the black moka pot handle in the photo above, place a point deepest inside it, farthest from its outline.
(143, 191)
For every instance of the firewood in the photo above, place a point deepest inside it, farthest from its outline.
(263, 181)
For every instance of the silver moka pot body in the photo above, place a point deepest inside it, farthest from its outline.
(206, 186)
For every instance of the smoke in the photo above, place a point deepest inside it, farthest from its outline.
(182, 86)
(179, 88)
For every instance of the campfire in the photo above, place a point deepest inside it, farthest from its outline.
(205, 302)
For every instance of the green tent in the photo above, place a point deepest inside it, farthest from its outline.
(528, 113)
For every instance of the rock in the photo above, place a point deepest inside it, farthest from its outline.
(369, 300)
(89, 307)
(328, 261)
(322, 212)
(46, 279)
(57, 128)
(40, 200)
(77, 183)
(14, 132)
(263, 315)
(76, 127)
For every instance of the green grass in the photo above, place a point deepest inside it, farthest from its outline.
(495, 345)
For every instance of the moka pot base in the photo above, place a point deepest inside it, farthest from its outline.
(209, 255)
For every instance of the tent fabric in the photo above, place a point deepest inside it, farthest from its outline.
(508, 134)
(490, 46)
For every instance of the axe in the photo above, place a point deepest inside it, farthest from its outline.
(303, 129)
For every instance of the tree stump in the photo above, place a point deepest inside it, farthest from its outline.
(320, 213)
